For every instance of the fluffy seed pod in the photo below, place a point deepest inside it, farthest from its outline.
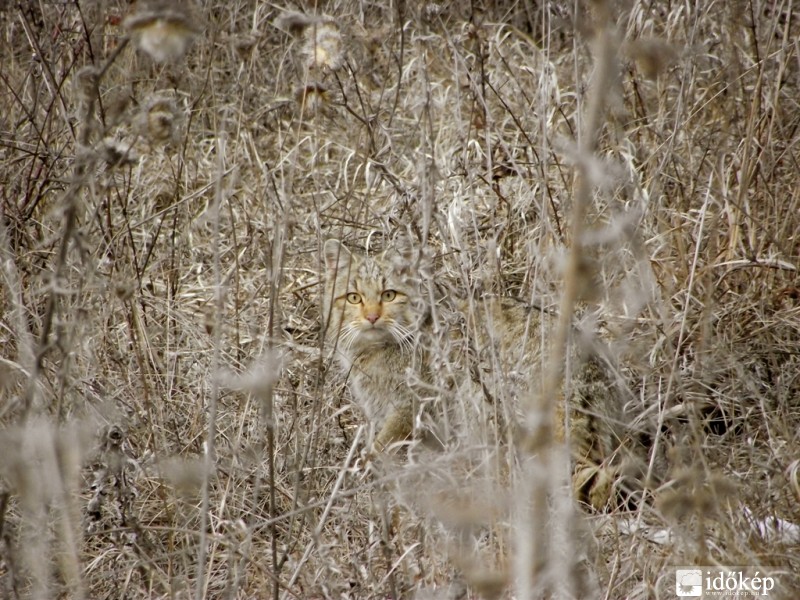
(312, 97)
(158, 122)
(117, 152)
(653, 56)
(324, 48)
(296, 23)
(163, 32)
(85, 84)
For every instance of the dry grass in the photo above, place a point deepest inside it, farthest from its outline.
(171, 425)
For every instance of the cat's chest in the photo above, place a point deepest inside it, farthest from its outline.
(378, 379)
(379, 366)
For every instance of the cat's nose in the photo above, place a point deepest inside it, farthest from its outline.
(372, 317)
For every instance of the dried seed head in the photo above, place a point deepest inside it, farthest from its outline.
(259, 378)
(488, 583)
(163, 32)
(312, 97)
(186, 476)
(85, 83)
(793, 474)
(324, 48)
(694, 492)
(433, 10)
(209, 321)
(295, 22)
(159, 120)
(244, 44)
(113, 439)
(116, 104)
(674, 504)
(652, 56)
(123, 290)
(117, 152)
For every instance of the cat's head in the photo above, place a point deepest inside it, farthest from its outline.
(369, 300)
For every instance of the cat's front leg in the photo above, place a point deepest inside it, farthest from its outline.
(397, 427)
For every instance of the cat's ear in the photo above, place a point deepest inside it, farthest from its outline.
(336, 255)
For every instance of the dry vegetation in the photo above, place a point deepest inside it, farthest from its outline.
(171, 424)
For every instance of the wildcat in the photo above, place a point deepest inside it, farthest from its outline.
(381, 330)
(369, 305)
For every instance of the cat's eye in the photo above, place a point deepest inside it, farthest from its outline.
(388, 295)
(353, 298)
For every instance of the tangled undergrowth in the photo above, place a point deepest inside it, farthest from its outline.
(171, 423)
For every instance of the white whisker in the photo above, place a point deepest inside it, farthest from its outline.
(348, 335)
(402, 335)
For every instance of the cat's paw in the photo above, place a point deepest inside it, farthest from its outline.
(596, 486)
